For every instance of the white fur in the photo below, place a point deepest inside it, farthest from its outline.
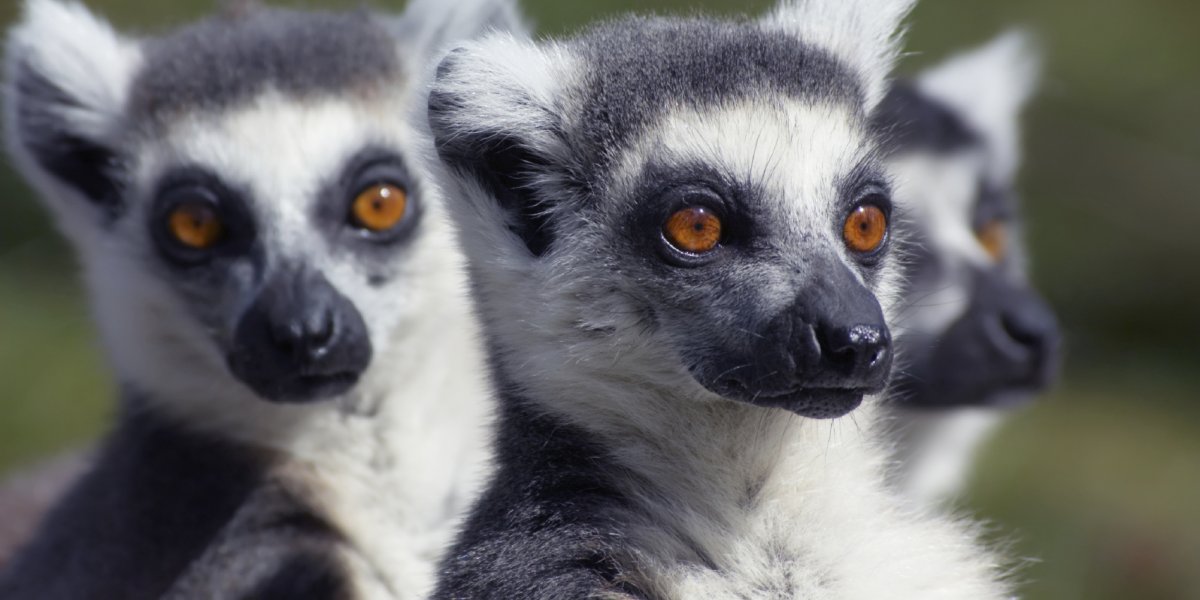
(989, 87)
(865, 34)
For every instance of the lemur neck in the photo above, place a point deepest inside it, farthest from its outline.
(716, 456)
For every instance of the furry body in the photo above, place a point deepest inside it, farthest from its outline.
(354, 495)
(638, 454)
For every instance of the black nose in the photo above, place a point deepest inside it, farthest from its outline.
(1024, 332)
(308, 335)
(860, 355)
(1004, 346)
(301, 340)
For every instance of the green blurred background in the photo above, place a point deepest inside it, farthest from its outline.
(1099, 484)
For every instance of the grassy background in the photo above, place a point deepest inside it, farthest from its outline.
(1100, 482)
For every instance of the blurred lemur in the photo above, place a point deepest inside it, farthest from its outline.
(977, 338)
(679, 235)
(276, 288)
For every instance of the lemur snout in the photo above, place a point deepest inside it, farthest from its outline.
(818, 360)
(301, 341)
(1004, 346)
(1024, 333)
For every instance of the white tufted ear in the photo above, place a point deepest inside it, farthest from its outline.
(67, 80)
(988, 87)
(493, 120)
(863, 34)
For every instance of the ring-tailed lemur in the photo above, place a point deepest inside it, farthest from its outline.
(677, 232)
(978, 337)
(277, 290)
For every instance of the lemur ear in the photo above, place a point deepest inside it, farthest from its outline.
(433, 26)
(492, 119)
(863, 34)
(988, 87)
(67, 79)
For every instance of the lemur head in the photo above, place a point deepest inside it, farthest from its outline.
(681, 204)
(243, 191)
(976, 332)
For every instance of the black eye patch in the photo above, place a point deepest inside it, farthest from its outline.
(192, 205)
(335, 215)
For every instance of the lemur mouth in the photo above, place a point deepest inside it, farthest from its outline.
(813, 403)
(313, 387)
(326, 385)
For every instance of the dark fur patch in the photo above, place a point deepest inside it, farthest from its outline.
(89, 166)
(223, 61)
(304, 576)
(157, 491)
(908, 121)
(548, 526)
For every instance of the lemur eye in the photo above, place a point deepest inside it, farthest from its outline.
(993, 236)
(195, 225)
(379, 207)
(695, 230)
(866, 229)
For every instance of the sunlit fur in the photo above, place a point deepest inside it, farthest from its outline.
(391, 462)
(718, 499)
(986, 88)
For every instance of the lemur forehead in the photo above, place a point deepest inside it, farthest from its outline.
(230, 59)
(641, 68)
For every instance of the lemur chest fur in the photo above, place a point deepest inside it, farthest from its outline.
(741, 504)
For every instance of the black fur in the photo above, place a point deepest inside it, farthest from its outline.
(156, 491)
(275, 547)
(167, 512)
(227, 60)
(549, 526)
(307, 576)
(90, 166)
(909, 121)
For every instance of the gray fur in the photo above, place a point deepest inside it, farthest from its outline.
(229, 59)
(633, 78)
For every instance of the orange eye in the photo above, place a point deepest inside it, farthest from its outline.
(993, 236)
(380, 207)
(696, 230)
(866, 228)
(195, 225)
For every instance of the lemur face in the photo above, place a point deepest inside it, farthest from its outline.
(284, 230)
(976, 332)
(696, 205)
(241, 192)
